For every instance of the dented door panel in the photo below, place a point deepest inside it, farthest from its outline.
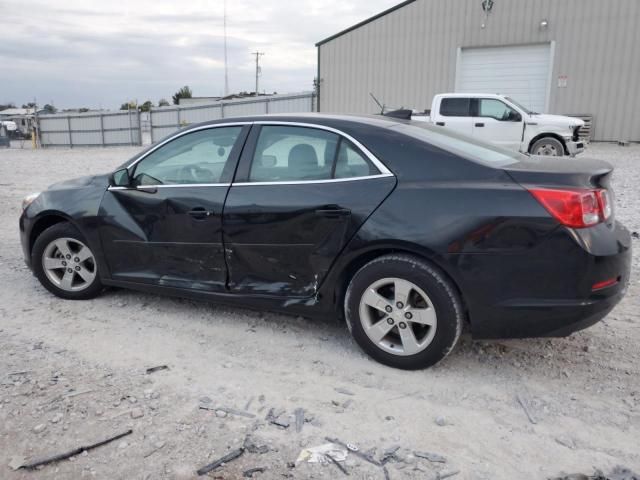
(282, 239)
(154, 237)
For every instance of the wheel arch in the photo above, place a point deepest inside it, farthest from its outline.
(358, 260)
(44, 221)
(551, 135)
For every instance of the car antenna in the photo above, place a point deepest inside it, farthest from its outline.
(379, 104)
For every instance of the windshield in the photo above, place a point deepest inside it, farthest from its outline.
(519, 105)
(461, 145)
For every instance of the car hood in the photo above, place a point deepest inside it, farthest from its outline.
(97, 180)
(557, 120)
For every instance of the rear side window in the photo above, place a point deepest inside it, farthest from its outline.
(285, 154)
(350, 162)
(455, 107)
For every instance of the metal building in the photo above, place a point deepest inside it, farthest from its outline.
(579, 57)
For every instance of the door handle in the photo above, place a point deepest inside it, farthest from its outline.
(199, 213)
(333, 212)
(479, 124)
(440, 124)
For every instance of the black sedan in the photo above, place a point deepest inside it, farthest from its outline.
(406, 231)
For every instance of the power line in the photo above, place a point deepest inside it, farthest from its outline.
(226, 71)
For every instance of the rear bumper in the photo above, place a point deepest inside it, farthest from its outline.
(549, 292)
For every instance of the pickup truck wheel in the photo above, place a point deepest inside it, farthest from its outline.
(403, 312)
(548, 146)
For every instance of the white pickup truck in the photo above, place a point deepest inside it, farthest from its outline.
(503, 121)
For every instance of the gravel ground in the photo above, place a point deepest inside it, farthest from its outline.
(73, 373)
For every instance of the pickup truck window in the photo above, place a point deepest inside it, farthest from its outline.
(492, 108)
(455, 107)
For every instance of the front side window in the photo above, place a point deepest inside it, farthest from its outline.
(195, 158)
(285, 154)
(492, 108)
(455, 107)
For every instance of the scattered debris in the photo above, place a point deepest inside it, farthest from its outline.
(344, 391)
(441, 421)
(72, 453)
(157, 446)
(249, 473)
(137, 413)
(525, 407)
(390, 454)
(229, 410)
(40, 428)
(351, 447)
(249, 402)
(356, 452)
(221, 461)
(635, 235)
(618, 473)
(347, 403)
(432, 457)
(299, 414)
(81, 392)
(16, 462)
(566, 442)
(386, 473)
(255, 445)
(443, 475)
(318, 454)
(337, 464)
(57, 417)
(157, 369)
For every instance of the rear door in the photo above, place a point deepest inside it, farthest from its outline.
(454, 113)
(300, 194)
(166, 227)
(496, 122)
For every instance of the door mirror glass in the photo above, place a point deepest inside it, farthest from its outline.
(120, 178)
(514, 116)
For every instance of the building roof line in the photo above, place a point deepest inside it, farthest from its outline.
(364, 22)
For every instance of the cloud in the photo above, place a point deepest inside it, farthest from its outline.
(101, 54)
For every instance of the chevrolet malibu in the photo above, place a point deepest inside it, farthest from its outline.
(406, 231)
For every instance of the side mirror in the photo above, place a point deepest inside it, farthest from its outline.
(120, 178)
(515, 116)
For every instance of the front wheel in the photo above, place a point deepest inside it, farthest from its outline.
(548, 146)
(403, 312)
(64, 264)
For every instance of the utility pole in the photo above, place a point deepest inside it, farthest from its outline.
(258, 55)
(226, 71)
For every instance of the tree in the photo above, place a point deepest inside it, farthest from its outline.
(7, 105)
(29, 105)
(184, 92)
(49, 109)
(163, 102)
(128, 106)
(146, 106)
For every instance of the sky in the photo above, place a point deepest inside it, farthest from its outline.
(100, 54)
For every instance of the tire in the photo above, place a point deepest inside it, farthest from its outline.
(71, 271)
(435, 322)
(548, 146)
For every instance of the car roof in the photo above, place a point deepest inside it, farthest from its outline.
(326, 119)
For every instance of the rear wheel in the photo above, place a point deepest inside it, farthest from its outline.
(64, 264)
(403, 312)
(548, 146)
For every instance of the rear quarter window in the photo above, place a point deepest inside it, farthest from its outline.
(455, 107)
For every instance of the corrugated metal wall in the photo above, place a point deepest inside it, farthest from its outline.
(90, 129)
(410, 54)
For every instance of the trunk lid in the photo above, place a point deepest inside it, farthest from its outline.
(556, 172)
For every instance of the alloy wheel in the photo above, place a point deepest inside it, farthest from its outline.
(398, 316)
(69, 264)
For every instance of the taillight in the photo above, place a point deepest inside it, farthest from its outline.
(575, 208)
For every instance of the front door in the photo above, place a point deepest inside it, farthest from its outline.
(166, 227)
(300, 194)
(496, 122)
